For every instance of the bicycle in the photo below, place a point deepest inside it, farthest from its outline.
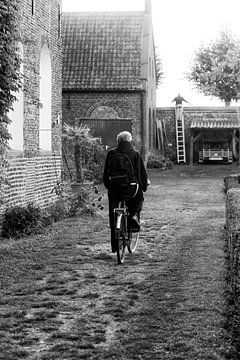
(125, 237)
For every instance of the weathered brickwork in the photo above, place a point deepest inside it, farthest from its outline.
(32, 177)
(97, 72)
(80, 105)
(39, 26)
(148, 77)
(168, 116)
(32, 180)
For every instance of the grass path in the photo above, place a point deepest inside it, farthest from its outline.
(63, 296)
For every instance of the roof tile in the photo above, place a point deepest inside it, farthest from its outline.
(215, 123)
(102, 50)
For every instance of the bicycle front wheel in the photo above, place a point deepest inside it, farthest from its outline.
(133, 242)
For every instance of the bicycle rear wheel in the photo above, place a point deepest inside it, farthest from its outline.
(121, 247)
(133, 241)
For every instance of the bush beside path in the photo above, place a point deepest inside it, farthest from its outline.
(63, 295)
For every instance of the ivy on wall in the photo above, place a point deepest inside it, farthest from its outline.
(10, 79)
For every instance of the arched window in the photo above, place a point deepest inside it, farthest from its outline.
(16, 115)
(104, 112)
(45, 123)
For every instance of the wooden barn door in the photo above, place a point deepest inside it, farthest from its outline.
(107, 129)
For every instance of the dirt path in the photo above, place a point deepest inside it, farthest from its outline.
(70, 300)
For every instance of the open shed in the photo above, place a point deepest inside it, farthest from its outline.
(221, 131)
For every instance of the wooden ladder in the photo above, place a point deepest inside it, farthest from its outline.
(180, 137)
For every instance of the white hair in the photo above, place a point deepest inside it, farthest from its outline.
(124, 136)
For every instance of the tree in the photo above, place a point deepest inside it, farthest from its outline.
(159, 68)
(216, 68)
(10, 80)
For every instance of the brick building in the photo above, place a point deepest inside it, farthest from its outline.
(35, 148)
(109, 74)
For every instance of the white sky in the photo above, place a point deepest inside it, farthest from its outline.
(180, 27)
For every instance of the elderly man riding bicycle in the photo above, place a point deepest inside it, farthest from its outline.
(124, 168)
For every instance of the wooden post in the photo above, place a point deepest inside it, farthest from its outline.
(191, 148)
(239, 146)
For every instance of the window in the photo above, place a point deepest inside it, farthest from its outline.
(45, 120)
(33, 7)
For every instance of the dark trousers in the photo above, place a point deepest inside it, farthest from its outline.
(134, 207)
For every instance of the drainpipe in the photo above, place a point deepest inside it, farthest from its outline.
(144, 78)
(148, 7)
(143, 126)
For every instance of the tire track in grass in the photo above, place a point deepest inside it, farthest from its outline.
(182, 316)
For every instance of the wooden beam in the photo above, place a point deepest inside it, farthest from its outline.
(197, 136)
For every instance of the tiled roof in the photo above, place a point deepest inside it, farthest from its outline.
(215, 123)
(102, 50)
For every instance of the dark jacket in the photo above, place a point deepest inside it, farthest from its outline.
(136, 158)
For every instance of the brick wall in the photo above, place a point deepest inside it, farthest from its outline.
(32, 177)
(77, 105)
(148, 77)
(32, 180)
(39, 28)
(168, 116)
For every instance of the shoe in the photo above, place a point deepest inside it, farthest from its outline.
(134, 224)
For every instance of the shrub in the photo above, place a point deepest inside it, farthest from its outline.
(22, 220)
(69, 204)
(170, 154)
(159, 162)
(87, 202)
(25, 220)
(10, 77)
(83, 154)
(55, 212)
(95, 164)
